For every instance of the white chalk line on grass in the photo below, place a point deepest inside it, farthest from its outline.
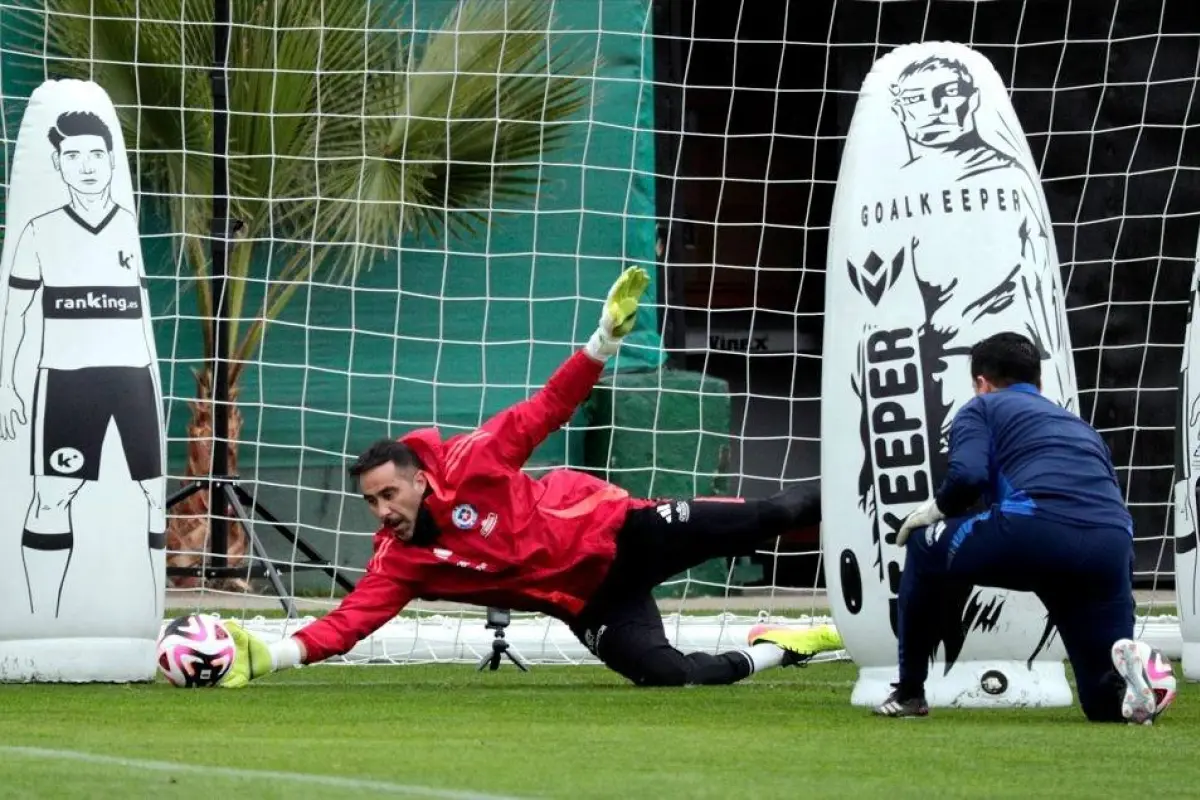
(331, 781)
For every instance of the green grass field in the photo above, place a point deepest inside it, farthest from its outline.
(562, 732)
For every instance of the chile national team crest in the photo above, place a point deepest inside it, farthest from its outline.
(464, 516)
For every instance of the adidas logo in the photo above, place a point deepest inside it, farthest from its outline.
(671, 512)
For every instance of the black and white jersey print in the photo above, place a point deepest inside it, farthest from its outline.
(91, 282)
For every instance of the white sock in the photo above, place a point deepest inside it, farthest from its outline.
(764, 655)
(284, 654)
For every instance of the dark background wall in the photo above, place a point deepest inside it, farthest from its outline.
(1106, 91)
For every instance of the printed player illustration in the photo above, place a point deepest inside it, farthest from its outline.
(83, 260)
(936, 101)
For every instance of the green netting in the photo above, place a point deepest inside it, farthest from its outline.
(666, 434)
(435, 334)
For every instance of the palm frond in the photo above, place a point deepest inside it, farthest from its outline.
(346, 130)
(459, 128)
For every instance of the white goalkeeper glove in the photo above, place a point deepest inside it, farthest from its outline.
(618, 316)
(925, 514)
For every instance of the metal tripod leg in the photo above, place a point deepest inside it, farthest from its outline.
(500, 649)
(184, 493)
(304, 547)
(240, 500)
(516, 658)
(239, 511)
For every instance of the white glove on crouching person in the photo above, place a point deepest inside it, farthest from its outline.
(925, 514)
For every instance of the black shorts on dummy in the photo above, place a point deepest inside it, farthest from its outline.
(72, 411)
(621, 624)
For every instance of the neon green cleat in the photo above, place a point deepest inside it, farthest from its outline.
(801, 644)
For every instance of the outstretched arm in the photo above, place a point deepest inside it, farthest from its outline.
(374, 601)
(518, 430)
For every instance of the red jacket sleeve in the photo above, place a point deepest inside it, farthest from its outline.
(518, 430)
(374, 600)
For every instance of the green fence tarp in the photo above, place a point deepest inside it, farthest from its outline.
(435, 334)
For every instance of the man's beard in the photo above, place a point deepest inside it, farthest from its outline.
(424, 529)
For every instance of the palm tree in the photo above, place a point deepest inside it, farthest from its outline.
(345, 130)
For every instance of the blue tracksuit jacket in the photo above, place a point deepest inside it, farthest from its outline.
(1022, 452)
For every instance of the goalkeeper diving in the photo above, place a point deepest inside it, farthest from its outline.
(460, 521)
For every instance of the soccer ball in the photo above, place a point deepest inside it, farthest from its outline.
(195, 651)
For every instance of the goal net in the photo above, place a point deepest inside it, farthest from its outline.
(437, 195)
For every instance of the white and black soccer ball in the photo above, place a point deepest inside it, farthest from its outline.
(195, 651)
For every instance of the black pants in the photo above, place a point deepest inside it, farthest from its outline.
(621, 624)
(1083, 575)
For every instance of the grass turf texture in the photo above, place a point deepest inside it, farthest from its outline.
(565, 732)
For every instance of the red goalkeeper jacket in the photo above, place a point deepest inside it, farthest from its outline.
(504, 538)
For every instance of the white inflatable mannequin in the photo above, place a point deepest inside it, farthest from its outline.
(1187, 475)
(940, 237)
(82, 444)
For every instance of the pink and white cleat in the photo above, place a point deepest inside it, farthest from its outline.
(1149, 680)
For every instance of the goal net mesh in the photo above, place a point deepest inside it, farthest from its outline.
(423, 249)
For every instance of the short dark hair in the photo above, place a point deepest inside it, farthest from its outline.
(79, 123)
(382, 452)
(1007, 358)
(939, 62)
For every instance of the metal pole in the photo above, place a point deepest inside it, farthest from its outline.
(220, 235)
(672, 231)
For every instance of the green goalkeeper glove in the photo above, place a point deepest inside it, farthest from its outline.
(253, 658)
(619, 314)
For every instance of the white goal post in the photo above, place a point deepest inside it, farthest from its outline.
(703, 142)
(461, 638)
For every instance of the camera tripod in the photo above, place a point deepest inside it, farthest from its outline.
(223, 488)
(497, 620)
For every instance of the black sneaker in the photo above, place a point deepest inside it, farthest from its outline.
(899, 705)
